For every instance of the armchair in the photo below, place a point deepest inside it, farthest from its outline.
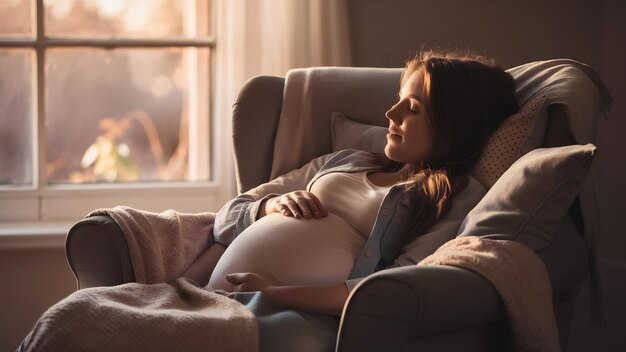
(406, 308)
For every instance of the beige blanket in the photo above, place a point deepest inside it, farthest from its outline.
(137, 317)
(520, 278)
(161, 312)
(162, 245)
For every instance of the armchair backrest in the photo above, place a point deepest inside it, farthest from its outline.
(282, 123)
(363, 94)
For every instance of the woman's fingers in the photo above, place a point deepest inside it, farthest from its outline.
(236, 278)
(300, 204)
(281, 205)
(317, 208)
(241, 280)
(304, 205)
(311, 206)
(248, 281)
(293, 208)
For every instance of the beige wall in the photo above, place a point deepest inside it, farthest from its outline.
(386, 33)
(31, 280)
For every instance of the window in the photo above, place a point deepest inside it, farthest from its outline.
(103, 103)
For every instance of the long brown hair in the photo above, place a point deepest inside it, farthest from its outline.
(466, 97)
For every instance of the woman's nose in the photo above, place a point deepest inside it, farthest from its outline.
(391, 114)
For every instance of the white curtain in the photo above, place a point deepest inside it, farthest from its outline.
(269, 37)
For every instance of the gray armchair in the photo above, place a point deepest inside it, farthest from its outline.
(435, 308)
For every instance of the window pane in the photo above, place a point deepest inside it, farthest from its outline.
(16, 116)
(127, 19)
(127, 115)
(16, 18)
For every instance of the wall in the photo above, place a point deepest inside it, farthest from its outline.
(386, 33)
(32, 281)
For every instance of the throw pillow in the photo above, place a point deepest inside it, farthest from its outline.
(507, 143)
(531, 198)
(349, 134)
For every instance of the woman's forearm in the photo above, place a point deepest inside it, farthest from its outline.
(326, 299)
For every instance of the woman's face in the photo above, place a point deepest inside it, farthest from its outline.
(410, 137)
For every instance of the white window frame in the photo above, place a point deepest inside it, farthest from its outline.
(67, 203)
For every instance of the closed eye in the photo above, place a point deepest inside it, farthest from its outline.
(412, 102)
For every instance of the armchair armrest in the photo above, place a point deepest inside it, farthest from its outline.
(255, 120)
(97, 253)
(392, 308)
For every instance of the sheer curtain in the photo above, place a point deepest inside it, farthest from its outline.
(269, 37)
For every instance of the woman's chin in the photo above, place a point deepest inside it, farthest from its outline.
(389, 153)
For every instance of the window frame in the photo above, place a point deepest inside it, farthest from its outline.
(43, 202)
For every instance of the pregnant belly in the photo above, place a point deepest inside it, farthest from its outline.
(292, 251)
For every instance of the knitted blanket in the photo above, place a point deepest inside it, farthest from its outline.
(520, 278)
(161, 311)
(178, 316)
(162, 245)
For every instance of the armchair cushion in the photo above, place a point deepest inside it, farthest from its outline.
(529, 201)
(349, 134)
(511, 140)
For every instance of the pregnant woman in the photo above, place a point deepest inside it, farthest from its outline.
(293, 248)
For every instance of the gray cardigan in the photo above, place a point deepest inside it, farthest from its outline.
(391, 228)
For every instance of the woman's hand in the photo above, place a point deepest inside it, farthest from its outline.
(246, 282)
(326, 299)
(297, 204)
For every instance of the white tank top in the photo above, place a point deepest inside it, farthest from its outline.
(351, 196)
(308, 252)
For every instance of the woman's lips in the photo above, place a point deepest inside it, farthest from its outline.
(393, 134)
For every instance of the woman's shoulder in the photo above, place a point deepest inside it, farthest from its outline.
(357, 154)
(354, 157)
(348, 152)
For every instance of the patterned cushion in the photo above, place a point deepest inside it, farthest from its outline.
(506, 144)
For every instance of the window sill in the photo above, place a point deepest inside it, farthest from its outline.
(67, 205)
(33, 235)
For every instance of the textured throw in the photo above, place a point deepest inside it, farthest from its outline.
(136, 317)
(162, 245)
(520, 278)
